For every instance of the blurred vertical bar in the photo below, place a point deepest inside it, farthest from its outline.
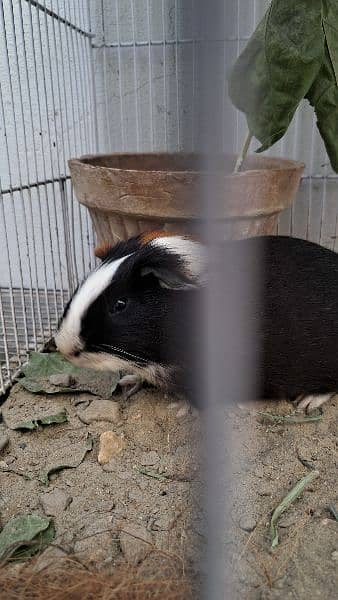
(228, 350)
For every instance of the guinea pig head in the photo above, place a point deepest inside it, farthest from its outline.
(134, 311)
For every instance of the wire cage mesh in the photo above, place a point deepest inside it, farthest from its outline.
(47, 114)
(86, 76)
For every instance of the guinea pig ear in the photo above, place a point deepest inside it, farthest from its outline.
(171, 279)
(178, 263)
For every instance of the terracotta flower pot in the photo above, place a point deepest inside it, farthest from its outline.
(127, 194)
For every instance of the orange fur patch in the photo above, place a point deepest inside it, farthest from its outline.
(104, 249)
(149, 236)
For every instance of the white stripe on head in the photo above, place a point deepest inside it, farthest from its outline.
(68, 338)
(191, 252)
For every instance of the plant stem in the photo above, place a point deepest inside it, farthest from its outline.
(243, 152)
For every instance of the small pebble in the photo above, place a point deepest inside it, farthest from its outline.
(247, 523)
(100, 410)
(165, 522)
(61, 380)
(334, 555)
(265, 491)
(55, 502)
(4, 441)
(105, 506)
(173, 405)
(111, 444)
(182, 412)
(136, 543)
(22, 445)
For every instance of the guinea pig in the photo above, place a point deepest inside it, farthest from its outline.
(136, 312)
(139, 312)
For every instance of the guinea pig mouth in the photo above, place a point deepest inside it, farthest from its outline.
(100, 361)
(120, 353)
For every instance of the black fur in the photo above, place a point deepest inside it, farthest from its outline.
(294, 316)
(298, 328)
(155, 323)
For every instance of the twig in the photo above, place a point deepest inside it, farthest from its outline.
(243, 152)
(294, 418)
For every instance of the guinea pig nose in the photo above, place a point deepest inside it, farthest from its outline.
(75, 353)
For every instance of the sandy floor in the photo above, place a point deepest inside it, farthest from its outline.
(143, 507)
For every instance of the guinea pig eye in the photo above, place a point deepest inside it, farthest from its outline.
(119, 305)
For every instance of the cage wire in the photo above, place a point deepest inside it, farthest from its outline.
(87, 76)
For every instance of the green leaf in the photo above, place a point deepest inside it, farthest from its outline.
(72, 463)
(323, 96)
(42, 365)
(61, 417)
(330, 24)
(45, 364)
(25, 535)
(277, 67)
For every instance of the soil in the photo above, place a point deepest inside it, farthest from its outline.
(143, 507)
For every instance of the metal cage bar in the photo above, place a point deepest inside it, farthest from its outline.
(109, 76)
(47, 115)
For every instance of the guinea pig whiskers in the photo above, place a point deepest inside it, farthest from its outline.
(119, 351)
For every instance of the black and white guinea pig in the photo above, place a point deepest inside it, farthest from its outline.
(140, 312)
(136, 311)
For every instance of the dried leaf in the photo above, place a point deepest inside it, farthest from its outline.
(71, 464)
(284, 505)
(289, 419)
(61, 417)
(25, 535)
(42, 365)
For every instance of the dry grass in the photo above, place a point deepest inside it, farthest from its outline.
(67, 579)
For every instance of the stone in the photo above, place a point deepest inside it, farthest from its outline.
(247, 523)
(4, 441)
(149, 458)
(96, 548)
(183, 412)
(334, 555)
(100, 410)
(105, 506)
(82, 400)
(136, 542)
(61, 380)
(50, 557)
(110, 446)
(55, 502)
(165, 522)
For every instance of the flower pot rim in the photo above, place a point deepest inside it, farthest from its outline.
(281, 164)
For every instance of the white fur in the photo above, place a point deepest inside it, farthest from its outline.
(68, 337)
(192, 253)
(101, 361)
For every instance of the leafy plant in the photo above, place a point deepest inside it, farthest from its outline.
(293, 54)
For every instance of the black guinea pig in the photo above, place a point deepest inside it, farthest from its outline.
(135, 312)
(139, 312)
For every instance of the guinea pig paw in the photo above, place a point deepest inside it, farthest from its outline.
(130, 384)
(312, 402)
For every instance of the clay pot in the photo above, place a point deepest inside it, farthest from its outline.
(127, 194)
